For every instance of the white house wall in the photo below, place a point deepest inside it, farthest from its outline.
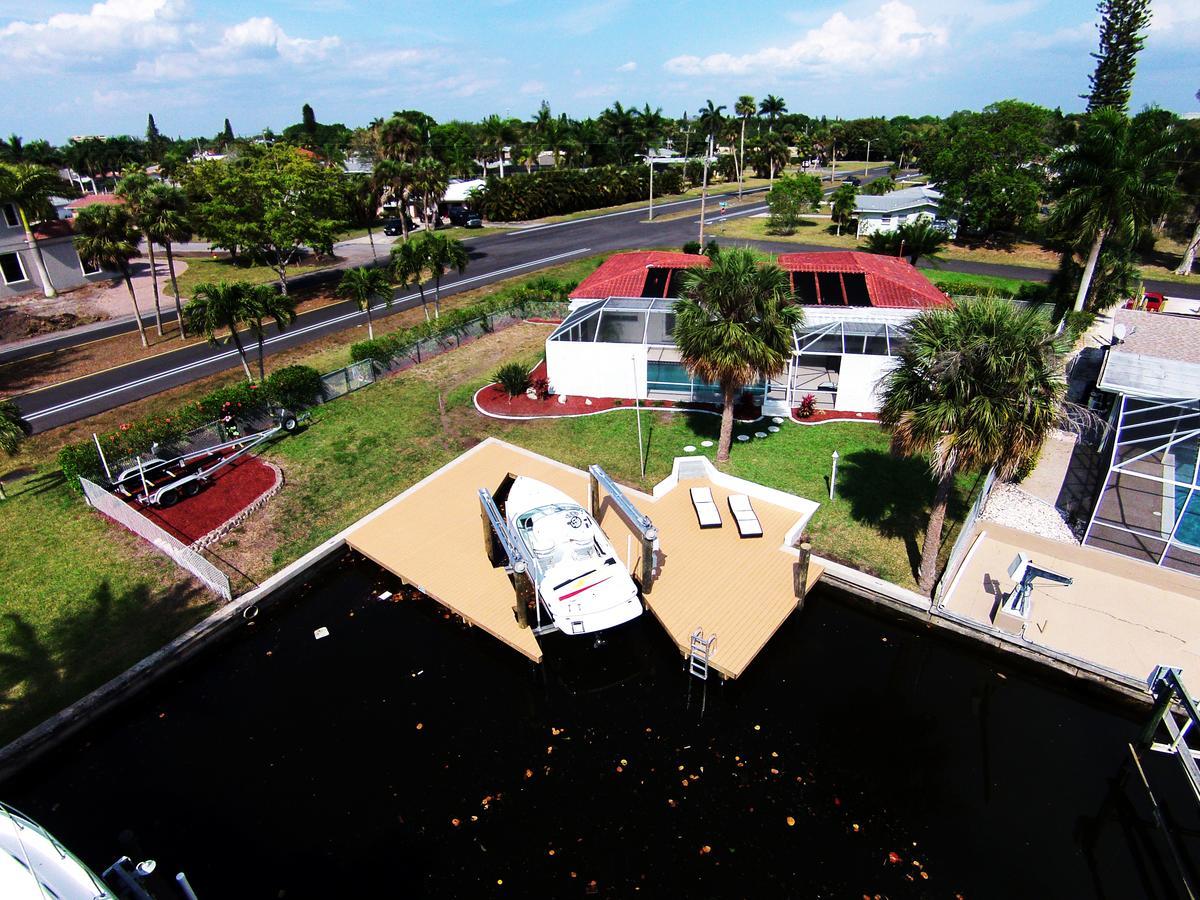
(872, 222)
(579, 369)
(858, 382)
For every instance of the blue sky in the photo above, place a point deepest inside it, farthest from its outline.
(80, 68)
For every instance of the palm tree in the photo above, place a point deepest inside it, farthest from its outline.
(29, 189)
(912, 239)
(165, 221)
(621, 127)
(772, 107)
(12, 150)
(443, 253)
(107, 235)
(495, 132)
(977, 385)
(711, 119)
(408, 268)
(650, 126)
(399, 139)
(221, 305)
(262, 302)
(429, 181)
(364, 286)
(842, 204)
(397, 178)
(13, 430)
(133, 188)
(745, 108)
(1112, 183)
(733, 326)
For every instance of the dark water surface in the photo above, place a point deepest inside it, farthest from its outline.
(406, 755)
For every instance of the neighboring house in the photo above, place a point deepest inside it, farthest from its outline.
(18, 268)
(1148, 503)
(887, 212)
(617, 339)
(458, 194)
(68, 211)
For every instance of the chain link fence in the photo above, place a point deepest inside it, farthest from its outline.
(118, 510)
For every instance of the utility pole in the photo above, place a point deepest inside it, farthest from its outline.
(832, 162)
(704, 190)
(650, 159)
(867, 164)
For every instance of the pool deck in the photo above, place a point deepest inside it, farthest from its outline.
(1124, 615)
(741, 590)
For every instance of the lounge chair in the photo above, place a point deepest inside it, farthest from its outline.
(743, 514)
(706, 510)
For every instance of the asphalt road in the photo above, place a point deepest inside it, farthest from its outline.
(493, 258)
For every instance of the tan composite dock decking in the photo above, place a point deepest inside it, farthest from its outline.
(741, 590)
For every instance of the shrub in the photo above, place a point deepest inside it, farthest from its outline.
(1077, 322)
(692, 247)
(808, 406)
(381, 349)
(294, 387)
(541, 387)
(513, 378)
(712, 249)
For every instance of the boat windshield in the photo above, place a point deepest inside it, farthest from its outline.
(561, 532)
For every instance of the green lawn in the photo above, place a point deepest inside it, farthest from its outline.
(966, 283)
(201, 269)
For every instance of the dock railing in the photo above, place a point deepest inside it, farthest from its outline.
(963, 542)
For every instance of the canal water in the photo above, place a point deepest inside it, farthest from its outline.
(406, 755)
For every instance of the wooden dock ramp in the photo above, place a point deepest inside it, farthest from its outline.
(741, 590)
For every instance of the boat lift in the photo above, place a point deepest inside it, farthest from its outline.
(503, 548)
(163, 482)
(1017, 601)
(1170, 695)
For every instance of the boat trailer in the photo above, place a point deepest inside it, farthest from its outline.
(163, 482)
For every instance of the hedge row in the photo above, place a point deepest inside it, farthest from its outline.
(522, 300)
(293, 387)
(522, 196)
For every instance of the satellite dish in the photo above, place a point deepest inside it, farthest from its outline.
(1119, 332)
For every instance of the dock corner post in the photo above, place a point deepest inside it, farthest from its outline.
(800, 573)
(593, 495)
(648, 540)
(523, 586)
(491, 543)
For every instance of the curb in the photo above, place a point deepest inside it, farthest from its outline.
(203, 543)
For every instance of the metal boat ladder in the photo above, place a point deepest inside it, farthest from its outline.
(1170, 695)
(699, 653)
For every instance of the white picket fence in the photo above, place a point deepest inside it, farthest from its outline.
(119, 511)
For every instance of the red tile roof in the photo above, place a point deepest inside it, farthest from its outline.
(91, 199)
(52, 228)
(891, 282)
(624, 274)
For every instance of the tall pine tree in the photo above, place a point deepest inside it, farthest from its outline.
(309, 119)
(154, 140)
(1122, 34)
(227, 134)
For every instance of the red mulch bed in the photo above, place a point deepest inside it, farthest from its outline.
(834, 415)
(231, 490)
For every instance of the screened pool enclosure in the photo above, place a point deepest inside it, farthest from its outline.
(624, 347)
(1149, 503)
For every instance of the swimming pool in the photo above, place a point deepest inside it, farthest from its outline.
(1187, 514)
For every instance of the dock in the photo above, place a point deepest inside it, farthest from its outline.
(740, 590)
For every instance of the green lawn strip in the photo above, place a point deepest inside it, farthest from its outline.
(201, 269)
(968, 283)
(82, 599)
(690, 194)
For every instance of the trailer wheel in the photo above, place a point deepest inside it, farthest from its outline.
(191, 489)
(168, 498)
(289, 424)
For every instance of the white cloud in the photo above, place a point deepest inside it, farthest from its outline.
(1174, 21)
(586, 18)
(82, 40)
(630, 66)
(533, 87)
(891, 36)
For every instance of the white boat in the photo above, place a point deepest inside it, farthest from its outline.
(34, 865)
(580, 581)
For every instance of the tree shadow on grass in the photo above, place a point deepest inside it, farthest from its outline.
(42, 671)
(893, 494)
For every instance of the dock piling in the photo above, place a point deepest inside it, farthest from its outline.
(800, 573)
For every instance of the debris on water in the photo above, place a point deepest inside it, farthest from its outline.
(418, 673)
(758, 728)
(620, 769)
(791, 820)
(321, 632)
(474, 818)
(557, 731)
(420, 725)
(774, 755)
(924, 874)
(774, 771)
(270, 652)
(529, 773)
(705, 850)
(893, 857)
(455, 822)
(592, 887)
(672, 804)
(837, 801)
(386, 595)
(855, 826)
(499, 881)
(624, 762)
(550, 852)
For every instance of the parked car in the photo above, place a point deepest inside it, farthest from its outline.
(852, 179)
(393, 226)
(464, 217)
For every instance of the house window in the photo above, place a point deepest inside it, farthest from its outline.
(89, 267)
(886, 220)
(11, 268)
(11, 219)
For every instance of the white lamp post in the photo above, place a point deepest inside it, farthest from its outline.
(833, 476)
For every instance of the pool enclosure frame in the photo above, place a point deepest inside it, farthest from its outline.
(608, 332)
(1145, 439)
